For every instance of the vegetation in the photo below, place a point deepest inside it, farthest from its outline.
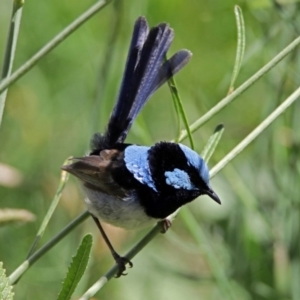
(247, 248)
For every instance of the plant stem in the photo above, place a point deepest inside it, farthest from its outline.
(10, 50)
(256, 132)
(225, 101)
(53, 43)
(133, 252)
(63, 180)
(16, 275)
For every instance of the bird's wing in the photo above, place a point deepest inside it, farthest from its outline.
(95, 171)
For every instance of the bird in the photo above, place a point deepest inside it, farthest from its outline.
(134, 186)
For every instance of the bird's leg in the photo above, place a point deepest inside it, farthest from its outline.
(120, 261)
(165, 225)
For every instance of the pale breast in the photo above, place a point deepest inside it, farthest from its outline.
(128, 214)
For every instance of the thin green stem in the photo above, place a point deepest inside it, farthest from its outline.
(212, 143)
(178, 119)
(256, 132)
(16, 275)
(63, 180)
(10, 50)
(53, 43)
(225, 101)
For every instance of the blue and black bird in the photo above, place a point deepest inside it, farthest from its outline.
(133, 186)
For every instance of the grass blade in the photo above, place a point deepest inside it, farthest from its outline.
(63, 180)
(212, 143)
(241, 44)
(10, 50)
(180, 110)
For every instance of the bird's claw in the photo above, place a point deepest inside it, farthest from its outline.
(121, 262)
(165, 225)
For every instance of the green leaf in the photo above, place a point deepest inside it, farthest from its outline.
(212, 143)
(180, 112)
(5, 287)
(77, 268)
(241, 44)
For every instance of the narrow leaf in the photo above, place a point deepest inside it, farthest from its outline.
(241, 44)
(180, 111)
(77, 268)
(212, 143)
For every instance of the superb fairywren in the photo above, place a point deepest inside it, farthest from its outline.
(134, 186)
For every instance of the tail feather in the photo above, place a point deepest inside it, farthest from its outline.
(170, 68)
(146, 70)
(150, 68)
(118, 120)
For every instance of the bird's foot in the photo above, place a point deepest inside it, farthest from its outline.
(165, 225)
(121, 262)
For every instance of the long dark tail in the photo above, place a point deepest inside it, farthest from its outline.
(146, 70)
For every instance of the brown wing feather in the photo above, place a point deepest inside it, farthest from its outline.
(95, 171)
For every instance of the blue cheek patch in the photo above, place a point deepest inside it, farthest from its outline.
(178, 179)
(136, 161)
(196, 161)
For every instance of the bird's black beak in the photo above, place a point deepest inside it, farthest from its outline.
(213, 195)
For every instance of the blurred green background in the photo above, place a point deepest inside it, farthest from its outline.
(51, 113)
